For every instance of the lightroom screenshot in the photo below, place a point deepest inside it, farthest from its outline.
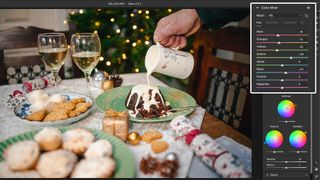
(219, 89)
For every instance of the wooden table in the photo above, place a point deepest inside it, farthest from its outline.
(216, 128)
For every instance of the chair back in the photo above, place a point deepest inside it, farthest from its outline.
(25, 65)
(221, 86)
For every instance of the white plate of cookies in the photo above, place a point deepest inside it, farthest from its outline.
(54, 110)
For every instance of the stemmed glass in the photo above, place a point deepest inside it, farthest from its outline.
(53, 49)
(85, 51)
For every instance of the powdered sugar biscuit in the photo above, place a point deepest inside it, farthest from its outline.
(100, 148)
(22, 155)
(56, 164)
(6, 172)
(94, 168)
(77, 140)
(49, 138)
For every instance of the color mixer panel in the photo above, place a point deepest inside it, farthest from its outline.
(286, 129)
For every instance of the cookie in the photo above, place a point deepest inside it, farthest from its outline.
(77, 100)
(94, 168)
(82, 107)
(49, 139)
(6, 172)
(77, 140)
(37, 116)
(150, 136)
(74, 113)
(56, 164)
(56, 115)
(100, 148)
(22, 155)
(159, 146)
(69, 106)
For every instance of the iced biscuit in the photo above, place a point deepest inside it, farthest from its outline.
(94, 168)
(49, 138)
(77, 140)
(6, 172)
(56, 164)
(100, 148)
(22, 155)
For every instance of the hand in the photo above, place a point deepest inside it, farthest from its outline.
(173, 30)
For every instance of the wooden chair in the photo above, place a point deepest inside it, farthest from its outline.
(217, 84)
(17, 69)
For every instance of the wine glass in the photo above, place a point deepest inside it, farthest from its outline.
(53, 49)
(85, 51)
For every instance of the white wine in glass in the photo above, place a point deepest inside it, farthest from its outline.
(53, 50)
(86, 61)
(85, 51)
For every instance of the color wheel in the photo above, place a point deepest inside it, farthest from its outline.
(286, 108)
(274, 139)
(298, 138)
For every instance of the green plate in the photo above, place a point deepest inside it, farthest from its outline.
(125, 165)
(115, 99)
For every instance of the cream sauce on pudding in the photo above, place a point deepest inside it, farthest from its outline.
(146, 101)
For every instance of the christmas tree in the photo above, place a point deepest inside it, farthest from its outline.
(125, 34)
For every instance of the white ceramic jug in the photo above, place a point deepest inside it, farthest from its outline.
(171, 62)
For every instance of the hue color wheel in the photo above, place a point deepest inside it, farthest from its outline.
(286, 108)
(298, 139)
(274, 139)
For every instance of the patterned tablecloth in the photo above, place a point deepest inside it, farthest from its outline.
(10, 125)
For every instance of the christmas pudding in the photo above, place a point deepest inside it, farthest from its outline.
(145, 101)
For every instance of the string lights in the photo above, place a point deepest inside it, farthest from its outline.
(124, 56)
(97, 23)
(133, 32)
